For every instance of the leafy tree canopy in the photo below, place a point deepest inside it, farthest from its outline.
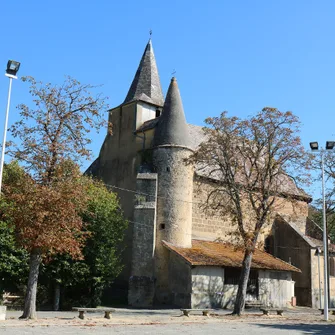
(250, 160)
(46, 202)
(83, 280)
(57, 128)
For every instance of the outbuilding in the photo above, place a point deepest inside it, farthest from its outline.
(207, 274)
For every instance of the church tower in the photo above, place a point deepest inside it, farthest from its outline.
(120, 154)
(171, 147)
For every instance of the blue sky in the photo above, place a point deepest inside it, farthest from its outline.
(236, 55)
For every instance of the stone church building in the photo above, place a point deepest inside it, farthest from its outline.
(175, 253)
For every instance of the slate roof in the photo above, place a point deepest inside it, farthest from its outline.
(172, 128)
(319, 243)
(310, 240)
(150, 124)
(208, 253)
(286, 184)
(196, 135)
(93, 169)
(146, 85)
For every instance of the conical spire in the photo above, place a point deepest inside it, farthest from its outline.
(146, 84)
(172, 127)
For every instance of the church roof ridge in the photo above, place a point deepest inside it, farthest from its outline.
(146, 83)
(172, 128)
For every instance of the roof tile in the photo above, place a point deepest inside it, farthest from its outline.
(224, 254)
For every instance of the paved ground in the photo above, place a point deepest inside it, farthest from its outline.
(166, 322)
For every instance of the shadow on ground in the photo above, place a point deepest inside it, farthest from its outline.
(311, 329)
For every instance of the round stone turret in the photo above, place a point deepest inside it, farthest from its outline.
(175, 177)
(174, 187)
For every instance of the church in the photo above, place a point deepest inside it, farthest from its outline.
(175, 253)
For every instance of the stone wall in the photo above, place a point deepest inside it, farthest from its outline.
(276, 289)
(289, 246)
(174, 209)
(118, 163)
(315, 282)
(208, 224)
(179, 281)
(120, 159)
(142, 280)
(208, 289)
(211, 224)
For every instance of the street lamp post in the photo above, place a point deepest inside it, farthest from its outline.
(315, 147)
(318, 252)
(11, 71)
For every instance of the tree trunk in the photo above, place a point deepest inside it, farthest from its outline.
(56, 297)
(243, 282)
(29, 311)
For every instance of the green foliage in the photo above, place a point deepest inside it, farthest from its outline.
(44, 206)
(13, 260)
(84, 280)
(107, 225)
(315, 213)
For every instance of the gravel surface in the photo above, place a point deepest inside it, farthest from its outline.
(129, 321)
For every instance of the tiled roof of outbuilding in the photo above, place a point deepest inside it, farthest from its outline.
(208, 253)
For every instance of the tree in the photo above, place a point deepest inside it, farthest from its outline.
(316, 214)
(57, 128)
(249, 160)
(47, 221)
(101, 262)
(13, 260)
(50, 198)
(103, 250)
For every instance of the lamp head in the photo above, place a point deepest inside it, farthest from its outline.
(12, 68)
(314, 145)
(330, 145)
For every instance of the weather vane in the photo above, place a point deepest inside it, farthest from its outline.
(150, 32)
(174, 72)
